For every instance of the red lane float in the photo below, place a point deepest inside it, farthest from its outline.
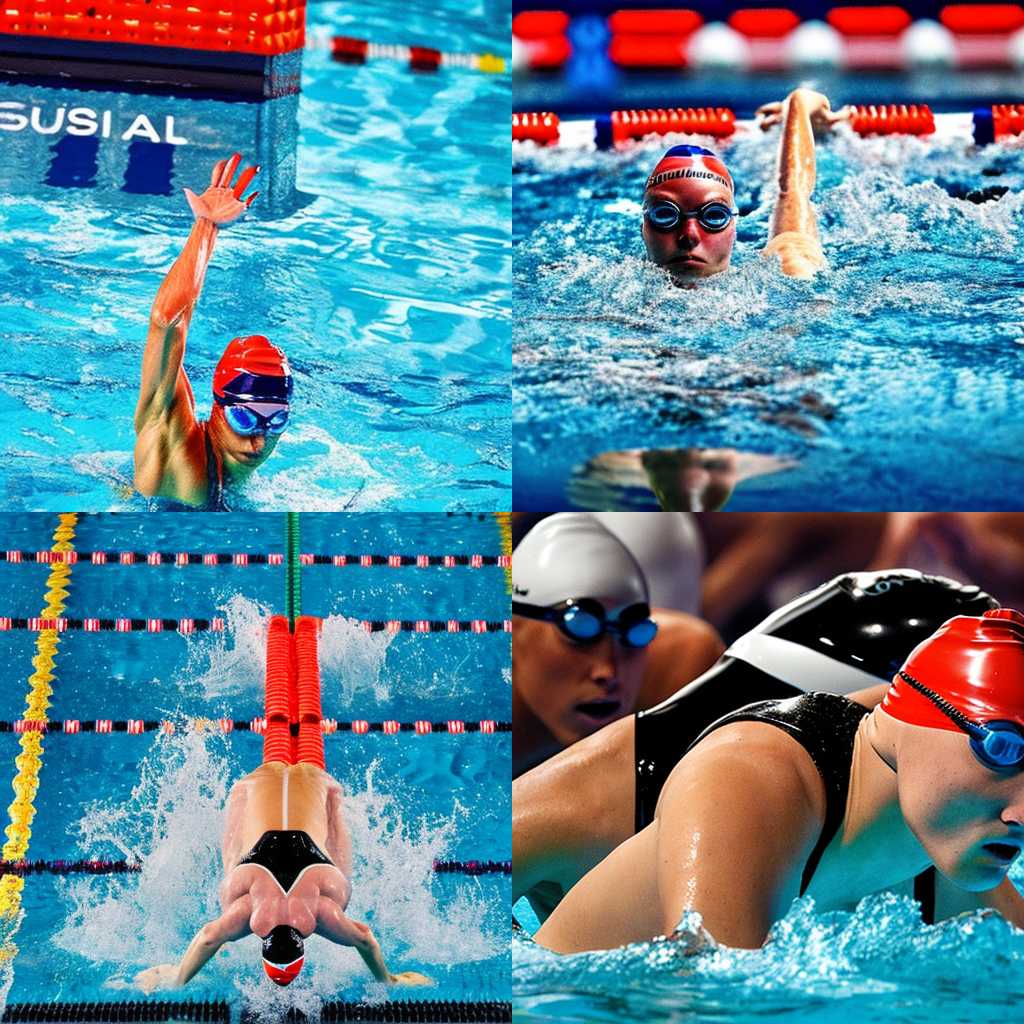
(893, 119)
(1007, 119)
(764, 22)
(540, 128)
(869, 21)
(623, 125)
(982, 19)
(679, 22)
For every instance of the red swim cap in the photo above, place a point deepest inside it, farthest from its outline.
(283, 974)
(690, 162)
(977, 664)
(253, 369)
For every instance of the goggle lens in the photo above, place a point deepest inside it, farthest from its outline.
(581, 624)
(640, 634)
(715, 216)
(245, 421)
(665, 216)
(1002, 746)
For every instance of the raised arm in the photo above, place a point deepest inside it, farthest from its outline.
(794, 230)
(231, 925)
(165, 412)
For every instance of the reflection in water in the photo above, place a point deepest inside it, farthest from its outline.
(675, 479)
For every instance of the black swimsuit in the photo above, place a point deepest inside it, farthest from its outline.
(285, 854)
(825, 725)
(663, 734)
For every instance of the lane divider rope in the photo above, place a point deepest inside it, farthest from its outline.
(23, 868)
(505, 529)
(247, 558)
(29, 762)
(216, 625)
(328, 726)
(353, 50)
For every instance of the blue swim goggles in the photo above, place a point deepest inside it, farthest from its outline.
(585, 621)
(997, 745)
(246, 421)
(664, 215)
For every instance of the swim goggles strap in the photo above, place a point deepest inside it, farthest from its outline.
(997, 745)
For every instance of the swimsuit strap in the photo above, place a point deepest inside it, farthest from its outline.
(825, 725)
(214, 477)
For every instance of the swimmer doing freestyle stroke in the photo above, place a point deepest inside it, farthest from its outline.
(287, 856)
(831, 799)
(177, 456)
(847, 636)
(689, 224)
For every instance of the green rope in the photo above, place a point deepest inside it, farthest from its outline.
(293, 581)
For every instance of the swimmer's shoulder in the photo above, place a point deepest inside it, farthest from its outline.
(799, 254)
(760, 766)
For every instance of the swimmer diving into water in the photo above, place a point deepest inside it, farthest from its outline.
(825, 797)
(176, 455)
(287, 856)
(689, 224)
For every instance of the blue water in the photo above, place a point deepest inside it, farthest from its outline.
(877, 963)
(893, 381)
(377, 256)
(409, 799)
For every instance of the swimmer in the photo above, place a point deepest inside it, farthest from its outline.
(826, 797)
(847, 636)
(177, 456)
(287, 856)
(586, 646)
(691, 479)
(689, 224)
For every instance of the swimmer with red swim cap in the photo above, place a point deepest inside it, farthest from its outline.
(690, 214)
(176, 455)
(916, 788)
(286, 851)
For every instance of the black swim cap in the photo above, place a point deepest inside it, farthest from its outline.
(283, 954)
(873, 620)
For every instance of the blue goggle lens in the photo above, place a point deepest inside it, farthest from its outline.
(245, 421)
(663, 216)
(1002, 745)
(715, 216)
(581, 624)
(640, 634)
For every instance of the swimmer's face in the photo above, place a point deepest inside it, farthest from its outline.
(969, 819)
(689, 250)
(245, 452)
(573, 689)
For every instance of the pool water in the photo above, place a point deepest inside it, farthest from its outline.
(160, 800)
(378, 258)
(878, 963)
(893, 381)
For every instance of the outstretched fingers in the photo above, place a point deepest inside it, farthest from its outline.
(229, 171)
(218, 171)
(244, 179)
(248, 201)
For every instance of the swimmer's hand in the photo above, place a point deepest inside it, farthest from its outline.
(409, 978)
(222, 202)
(157, 979)
(816, 104)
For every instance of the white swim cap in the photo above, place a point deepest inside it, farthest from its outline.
(571, 555)
(670, 551)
